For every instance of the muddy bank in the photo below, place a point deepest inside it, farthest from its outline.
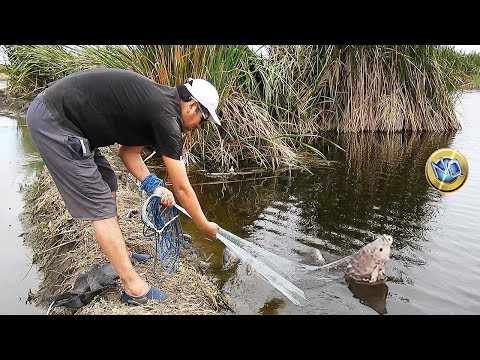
(64, 248)
(10, 106)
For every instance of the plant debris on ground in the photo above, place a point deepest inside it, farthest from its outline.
(65, 248)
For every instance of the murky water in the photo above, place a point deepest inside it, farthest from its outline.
(19, 163)
(379, 188)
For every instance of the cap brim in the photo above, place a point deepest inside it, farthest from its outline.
(213, 117)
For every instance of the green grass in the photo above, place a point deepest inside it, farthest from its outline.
(476, 80)
(246, 120)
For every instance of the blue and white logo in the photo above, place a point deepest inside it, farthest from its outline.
(446, 169)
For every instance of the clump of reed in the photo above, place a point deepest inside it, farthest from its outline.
(465, 66)
(366, 88)
(30, 67)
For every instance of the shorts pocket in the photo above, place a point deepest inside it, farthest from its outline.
(79, 147)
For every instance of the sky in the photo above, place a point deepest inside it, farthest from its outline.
(468, 48)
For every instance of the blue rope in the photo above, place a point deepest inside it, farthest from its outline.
(164, 226)
(150, 183)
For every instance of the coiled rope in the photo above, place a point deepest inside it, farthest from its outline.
(163, 225)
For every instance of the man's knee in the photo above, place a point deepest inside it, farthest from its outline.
(106, 222)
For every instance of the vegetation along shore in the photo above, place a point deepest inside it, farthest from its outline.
(274, 110)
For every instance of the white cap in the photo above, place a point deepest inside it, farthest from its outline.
(206, 94)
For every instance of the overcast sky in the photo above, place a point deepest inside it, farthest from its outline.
(468, 48)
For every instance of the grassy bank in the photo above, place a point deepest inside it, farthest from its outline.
(63, 249)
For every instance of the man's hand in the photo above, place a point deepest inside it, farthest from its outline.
(167, 196)
(210, 229)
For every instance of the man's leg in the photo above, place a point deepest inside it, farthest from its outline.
(110, 239)
(109, 176)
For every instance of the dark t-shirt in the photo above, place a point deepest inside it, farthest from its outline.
(119, 106)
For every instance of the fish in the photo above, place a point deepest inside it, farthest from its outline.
(368, 263)
(86, 287)
(89, 284)
(316, 257)
(229, 259)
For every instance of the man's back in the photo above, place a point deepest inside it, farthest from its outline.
(113, 105)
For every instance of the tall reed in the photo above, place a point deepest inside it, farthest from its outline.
(365, 88)
(31, 67)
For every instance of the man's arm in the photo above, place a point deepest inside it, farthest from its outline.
(185, 193)
(130, 156)
(132, 159)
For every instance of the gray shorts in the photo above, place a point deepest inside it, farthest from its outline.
(84, 178)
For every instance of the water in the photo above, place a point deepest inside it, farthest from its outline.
(19, 163)
(379, 188)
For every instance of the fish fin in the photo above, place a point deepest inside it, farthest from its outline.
(73, 301)
(374, 275)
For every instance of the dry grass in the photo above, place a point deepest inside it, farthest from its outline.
(64, 248)
(252, 134)
(365, 88)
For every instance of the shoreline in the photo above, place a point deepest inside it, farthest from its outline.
(12, 106)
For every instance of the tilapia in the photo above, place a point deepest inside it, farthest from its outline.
(315, 258)
(230, 259)
(368, 263)
(86, 287)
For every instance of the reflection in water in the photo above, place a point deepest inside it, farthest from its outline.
(372, 295)
(271, 307)
(380, 189)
